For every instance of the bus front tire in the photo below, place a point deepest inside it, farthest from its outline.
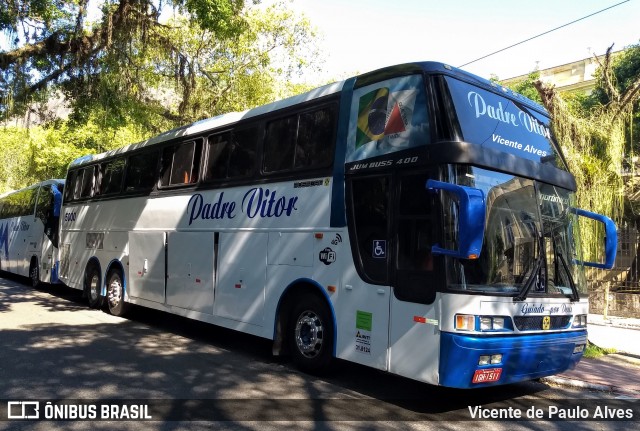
(34, 273)
(311, 335)
(115, 294)
(93, 287)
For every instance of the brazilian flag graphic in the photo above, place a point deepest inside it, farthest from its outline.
(372, 116)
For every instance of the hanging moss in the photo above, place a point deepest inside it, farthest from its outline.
(594, 146)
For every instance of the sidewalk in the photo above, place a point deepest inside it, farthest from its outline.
(618, 373)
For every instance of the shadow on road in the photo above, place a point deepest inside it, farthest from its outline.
(154, 355)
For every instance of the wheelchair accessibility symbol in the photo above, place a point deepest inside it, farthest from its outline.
(379, 248)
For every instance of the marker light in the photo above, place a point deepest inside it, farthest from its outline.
(580, 321)
(465, 322)
(579, 348)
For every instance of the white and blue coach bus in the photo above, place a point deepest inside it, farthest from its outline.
(29, 222)
(416, 219)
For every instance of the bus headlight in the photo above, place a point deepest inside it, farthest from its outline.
(580, 321)
(491, 323)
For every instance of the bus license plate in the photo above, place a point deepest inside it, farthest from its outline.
(486, 376)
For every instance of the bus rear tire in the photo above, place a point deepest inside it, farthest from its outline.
(311, 335)
(93, 287)
(34, 273)
(115, 294)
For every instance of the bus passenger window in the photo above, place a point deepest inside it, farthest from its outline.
(279, 145)
(314, 148)
(141, 172)
(180, 164)
(110, 178)
(70, 186)
(218, 156)
(242, 159)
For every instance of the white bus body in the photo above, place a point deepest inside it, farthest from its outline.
(358, 252)
(29, 231)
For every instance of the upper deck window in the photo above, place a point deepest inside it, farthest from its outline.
(181, 163)
(141, 171)
(494, 121)
(301, 141)
(387, 116)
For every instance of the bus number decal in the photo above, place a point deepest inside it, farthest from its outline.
(70, 216)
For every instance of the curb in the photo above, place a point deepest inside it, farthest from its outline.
(615, 324)
(579, 384)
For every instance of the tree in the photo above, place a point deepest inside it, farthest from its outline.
(593, 141)
(131, 65)
(131, 74)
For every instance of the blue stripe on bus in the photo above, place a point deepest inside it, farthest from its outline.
(524, 357)
(338, 215)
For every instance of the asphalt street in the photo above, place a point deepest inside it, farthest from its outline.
(197, 376)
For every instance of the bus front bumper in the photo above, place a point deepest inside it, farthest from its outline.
(524, 357)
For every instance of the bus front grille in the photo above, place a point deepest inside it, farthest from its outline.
(535, 323)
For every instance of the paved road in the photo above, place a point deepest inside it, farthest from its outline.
(54, 348)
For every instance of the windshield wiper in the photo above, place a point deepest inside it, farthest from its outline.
(575, 295)
(536, 272)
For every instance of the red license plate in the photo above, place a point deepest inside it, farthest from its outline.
(487, 375)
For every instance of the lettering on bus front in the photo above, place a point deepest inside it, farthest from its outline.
(542, 308)
(258, 202)
(483, 108)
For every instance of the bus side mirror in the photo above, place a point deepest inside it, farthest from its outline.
(610, 239)
(471, 214)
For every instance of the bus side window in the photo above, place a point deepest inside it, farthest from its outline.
(88, 181)
(316, 136)
(70, 186)
(279, 144)
(44, 207)
(243, 156)
(141, 172)
(180, 164)
(218, 156)
(111, 175)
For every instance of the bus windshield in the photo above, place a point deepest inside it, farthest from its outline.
(530, 244)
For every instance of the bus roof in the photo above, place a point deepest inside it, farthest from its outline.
(219, 121)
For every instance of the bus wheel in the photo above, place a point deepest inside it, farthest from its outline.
(311, 335)
(93, 287)
(34, 273)
(115, 294)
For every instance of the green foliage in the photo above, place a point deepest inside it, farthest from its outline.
(527, 87)
(38, 153)
(218, 16)
(592, 351)
(128, 76)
